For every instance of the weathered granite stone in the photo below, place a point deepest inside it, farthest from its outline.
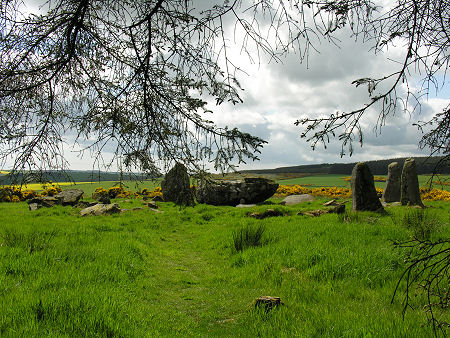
(103, 199)
(176, 186)
(393, 184)
(101, 209)
(101, 195)
(266, 213)
(364, 195)
(84, 204)
(333, 202)
(34, 206)
(151, 204)
(338, 209)
(43, 201)
(297, 199)
(246, 191)
(69, 197)
(410, 194)
(157, 198)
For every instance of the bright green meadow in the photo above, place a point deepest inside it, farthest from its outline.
(177, 273)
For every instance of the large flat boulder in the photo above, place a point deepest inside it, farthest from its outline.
(101, 209)
(246, 191)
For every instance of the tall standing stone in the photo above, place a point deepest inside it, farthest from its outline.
(393, 184)
(176, 186)
(364, 195)
(410, 194)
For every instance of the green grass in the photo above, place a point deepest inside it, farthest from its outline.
(147, 274)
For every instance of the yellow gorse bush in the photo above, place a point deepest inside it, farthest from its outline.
(15, 194)
(114, 192)
(434, 195)
(295, 189)
(51, 190)
(336, 192)
(146, 193)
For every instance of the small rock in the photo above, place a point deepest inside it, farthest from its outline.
(157, 198)
(83, 204)
(104, 199)
(330, 203)
(151, 205)
(34, 206)
(338, 209)
(245, 205)
(297, 199)
(267, 213)
(312, 213)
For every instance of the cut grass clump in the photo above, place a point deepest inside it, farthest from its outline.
(248, 236)
(31, 242)
(422, 222)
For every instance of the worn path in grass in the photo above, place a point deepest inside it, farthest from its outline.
(147, 274)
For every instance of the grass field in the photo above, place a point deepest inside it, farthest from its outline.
(148, 274)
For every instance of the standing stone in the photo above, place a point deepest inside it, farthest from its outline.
(393, 184)
(364, 195)
(410, 194)
(176, 186)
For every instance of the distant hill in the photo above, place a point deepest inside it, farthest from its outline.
(425, 165)
(76, 176)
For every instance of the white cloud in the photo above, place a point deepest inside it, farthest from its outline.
(277, 94)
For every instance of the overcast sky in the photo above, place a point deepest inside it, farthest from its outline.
(277, 94)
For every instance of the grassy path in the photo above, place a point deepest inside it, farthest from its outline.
(173, 273)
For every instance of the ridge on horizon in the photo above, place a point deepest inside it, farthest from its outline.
(425, 165)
